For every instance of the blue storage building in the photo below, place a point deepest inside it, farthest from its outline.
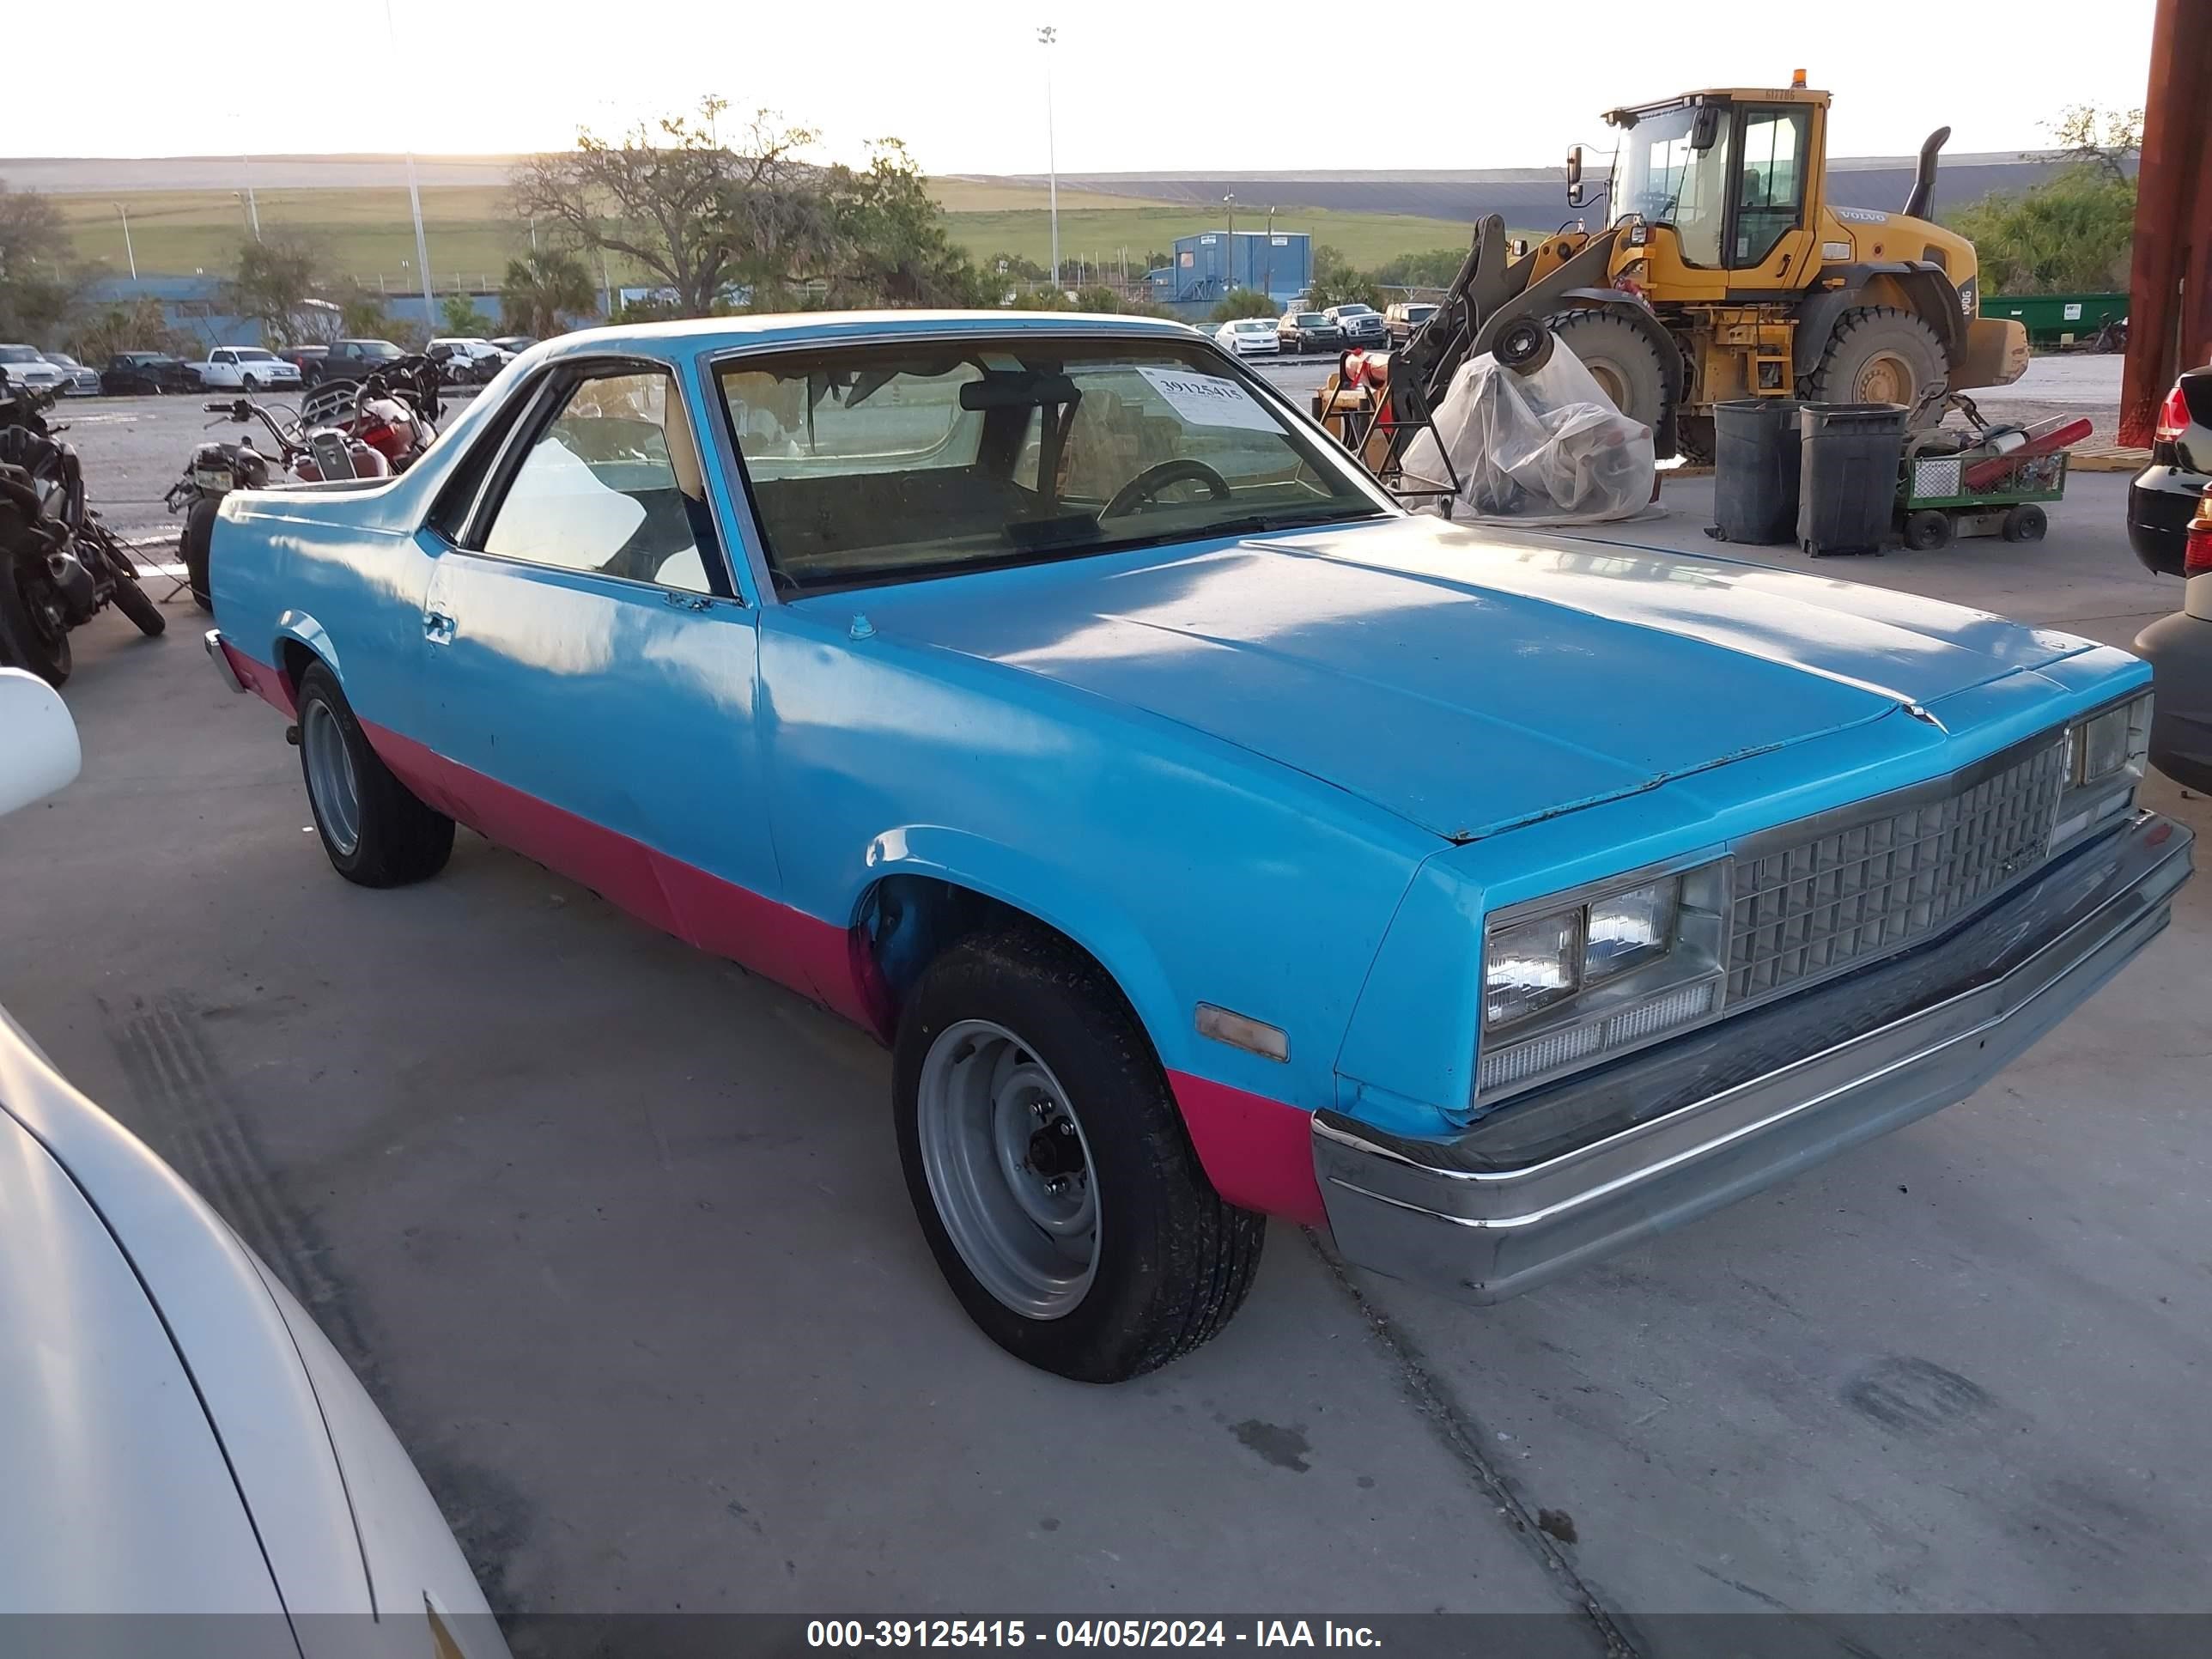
(1209, 265)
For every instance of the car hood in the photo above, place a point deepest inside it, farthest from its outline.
(119, 1498)
(1468, 681)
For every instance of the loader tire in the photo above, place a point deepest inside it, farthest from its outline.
(1880, 354)
(1622, 357)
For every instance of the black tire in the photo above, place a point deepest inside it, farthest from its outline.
(1174, 1260)
(1624, 359)
(1927, 529)
(136, 603)
(192, 548)
(29, 638)
(401, 840)
(2024, 523)
(248, 384)
(1874, 343)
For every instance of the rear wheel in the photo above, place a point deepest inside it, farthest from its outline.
(1880, 354)
(1049, 1168)
(1622, 358)
(34, 629)
(1927, 529)
(132, 600)
(2024, 523)
(375, 829)
(249, 383)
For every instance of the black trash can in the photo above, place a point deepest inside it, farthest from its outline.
(1755, 470)
(1847, 478)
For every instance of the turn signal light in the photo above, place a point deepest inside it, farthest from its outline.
(2197, 552)
(2172, 417)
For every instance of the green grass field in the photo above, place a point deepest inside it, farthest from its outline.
(366, 233)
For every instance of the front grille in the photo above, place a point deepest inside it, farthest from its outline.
(1807, 909)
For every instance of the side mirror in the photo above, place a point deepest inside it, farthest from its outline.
(1704, 127)
(42, 754)
(1575, 176)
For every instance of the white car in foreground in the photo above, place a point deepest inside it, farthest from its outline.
(1249, 337)
(26, 366)
(246, 368)
(176, 1435)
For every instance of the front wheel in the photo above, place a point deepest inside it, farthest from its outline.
(1049, 1167)
(1927, 529)
(2024, 523)
(192, 547)
(136, 603)
(375, 829)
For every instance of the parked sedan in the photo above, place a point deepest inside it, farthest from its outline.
(247, 368)
(26, 366)
(1249, 337)
(179, 1438)
(2179, 648)
(82, 381)
(1207, 837)
(2163, 497)
(138, 373)
(1361, 326)
(1308, 331)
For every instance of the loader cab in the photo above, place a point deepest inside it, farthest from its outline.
(1729, 186)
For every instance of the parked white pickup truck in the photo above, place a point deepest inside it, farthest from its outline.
(246, 368)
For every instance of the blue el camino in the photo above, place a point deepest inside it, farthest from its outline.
(1209, 838)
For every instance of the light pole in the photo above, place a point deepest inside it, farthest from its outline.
(244, 217)
(1046, 36)
(1270, 277)
(1228, 257)
(127, 253)
(414, 196)
(252, 207)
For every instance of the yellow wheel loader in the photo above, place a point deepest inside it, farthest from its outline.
(1725, 273)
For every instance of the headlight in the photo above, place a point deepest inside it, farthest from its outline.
(2105, 759)
(1568, 980)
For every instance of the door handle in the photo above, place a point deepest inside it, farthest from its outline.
(437, 628)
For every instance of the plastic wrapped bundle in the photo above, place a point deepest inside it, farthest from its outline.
(1536, 445)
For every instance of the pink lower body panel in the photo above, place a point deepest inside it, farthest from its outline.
(1257, 1151)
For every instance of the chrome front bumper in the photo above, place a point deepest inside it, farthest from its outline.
(1588, 1166)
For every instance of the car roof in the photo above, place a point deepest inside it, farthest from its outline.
(845, 327)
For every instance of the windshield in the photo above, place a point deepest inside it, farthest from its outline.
(1355, 311)
(1667, 182)
(1419, 313)
(19, 354)
(255, 355)
(896, 463)
(1309, 319)
(380, 349)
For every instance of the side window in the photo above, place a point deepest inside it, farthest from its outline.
(1771, 188)
(612, 486)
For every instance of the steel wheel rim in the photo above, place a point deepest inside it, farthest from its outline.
(330, 782)
(1009, 1169)
(1610, 381)
(1886, 379)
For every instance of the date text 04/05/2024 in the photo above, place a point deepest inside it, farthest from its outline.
(1086, 1633)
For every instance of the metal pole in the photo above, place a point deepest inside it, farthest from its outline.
(2170, 275)
(414, 195)
(253, 208)
(1046, 36)
(1229, 258)
(1270, 277)
(127, 253)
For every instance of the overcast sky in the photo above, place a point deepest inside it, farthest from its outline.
(964, 84)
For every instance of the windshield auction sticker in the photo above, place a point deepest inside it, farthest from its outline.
(1201, 400)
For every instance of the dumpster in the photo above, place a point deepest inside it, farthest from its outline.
(2056, 318)
(1755, 470)
(1847, 475)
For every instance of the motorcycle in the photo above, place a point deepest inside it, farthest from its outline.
(366, 428)
(59, 564)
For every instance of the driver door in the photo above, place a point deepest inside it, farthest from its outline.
(1768, 237)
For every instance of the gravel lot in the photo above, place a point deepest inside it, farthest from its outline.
(616, 1235)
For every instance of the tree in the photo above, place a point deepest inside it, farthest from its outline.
(2105, 139)
(1336, 283)
(672, 198)
(2072, 233)
(541, 290)
(140, 325)
(457, 314)
(36, 288)
(273, 276)
(888, 244)
(1431, 268)
(1244, 303)
(363, 316)
(1013, 268)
